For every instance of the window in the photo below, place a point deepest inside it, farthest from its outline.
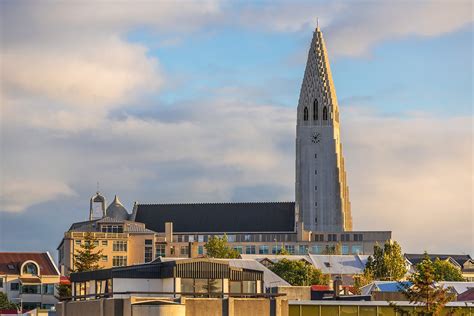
(315, 188)
(148, 242)
(358, 237)
(200, 238)
(111, 228)
(119, 245)
(96, 243)
(325, 114)
(104, 258)
(247, 237)
(250, 250)
(119, 261)
(315, 171)
(276, 249)
(48, 289)
(231, 238)
(249, 287)
(332, 237)
(105, 242)
(290, 249)
(191, 238)
(345, 249)
(1, 283)
(357, 249)
(305, 114)
(235, 286)
(238, 248)
(148, 253)
(78, 242)
(316, 249)
(303, 249)
(160, 250)
(30, 289)
(200, 250)
(263, 250)
(30, 268)
(345, 237)
(184, 250)
(315, 109)
(14, 286)
(318, 237)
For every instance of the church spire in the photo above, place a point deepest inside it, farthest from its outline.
(322, 195)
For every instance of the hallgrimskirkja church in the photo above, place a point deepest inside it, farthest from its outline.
(319, 221)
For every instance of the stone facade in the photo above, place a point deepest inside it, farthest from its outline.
(322, 194)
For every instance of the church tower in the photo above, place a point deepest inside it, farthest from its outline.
(322, 194)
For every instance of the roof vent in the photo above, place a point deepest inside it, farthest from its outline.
(11, 267)
(327, 264)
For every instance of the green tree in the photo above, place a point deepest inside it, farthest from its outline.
(445, 271)
(387, 263)
(5, 303)
(423, 289)
(64, 291)
(297, 272)
(87, 258)
(218, 248)
(283, 251)
(333, 250)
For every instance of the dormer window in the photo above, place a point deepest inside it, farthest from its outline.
(111, 228)
(30, 268)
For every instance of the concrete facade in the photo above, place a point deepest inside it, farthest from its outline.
(322, 194)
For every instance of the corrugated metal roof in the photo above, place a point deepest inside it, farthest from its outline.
(340, 264)
(459, 287)
(269, 277)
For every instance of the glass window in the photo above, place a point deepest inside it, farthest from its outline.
(148, 253)
(231, 238)
(345, 249)
(263, 250)
(290, 249)
(30, 268)
(48, 289)
(184, 250)
(303, 249)
(187, 285)
(250, 250)
(148, 242)
(357, 249)
(215, 286)
(238, 248)
(160, 250)
(200, 238)
(191, 238)
(104, 258)
(305, 114)
(200, 250)
(104, 243)
(200, 285)
(30, 289)
(316, 249)
(1, 283)
(276, 249)
(249, 287)
(247, 237)
(78, 242)
(235, 286)
(119, 261)
(14, 286)
(119, 245)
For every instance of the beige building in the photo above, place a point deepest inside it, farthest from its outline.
(29, 279)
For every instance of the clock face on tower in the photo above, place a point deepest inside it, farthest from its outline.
(316, 138)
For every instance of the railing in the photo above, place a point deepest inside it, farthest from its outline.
(95, 235)
(191, 294)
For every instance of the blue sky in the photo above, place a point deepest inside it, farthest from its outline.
(195, 101)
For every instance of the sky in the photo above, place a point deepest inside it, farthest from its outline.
(196, 102)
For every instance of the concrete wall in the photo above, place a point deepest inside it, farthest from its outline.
(248, 306)
(159, 310)
(296, 292)
(203, 306)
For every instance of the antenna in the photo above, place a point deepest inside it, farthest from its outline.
(317, 22)
(98, 187)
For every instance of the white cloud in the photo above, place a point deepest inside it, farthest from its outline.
(352, 28)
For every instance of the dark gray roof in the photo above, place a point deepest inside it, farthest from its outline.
(417, 258)
(218, 217)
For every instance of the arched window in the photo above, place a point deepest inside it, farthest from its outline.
(30, 268)
(325, 113)
(305, 114)
(315, 110)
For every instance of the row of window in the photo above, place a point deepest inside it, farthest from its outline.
(30, 288)
(268, 237)
(111, 228)
(315, 112)
(119, 261)
(295, 249)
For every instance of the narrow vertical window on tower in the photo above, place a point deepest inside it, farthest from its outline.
(325, 113)
(305, 114)
(315, 110)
